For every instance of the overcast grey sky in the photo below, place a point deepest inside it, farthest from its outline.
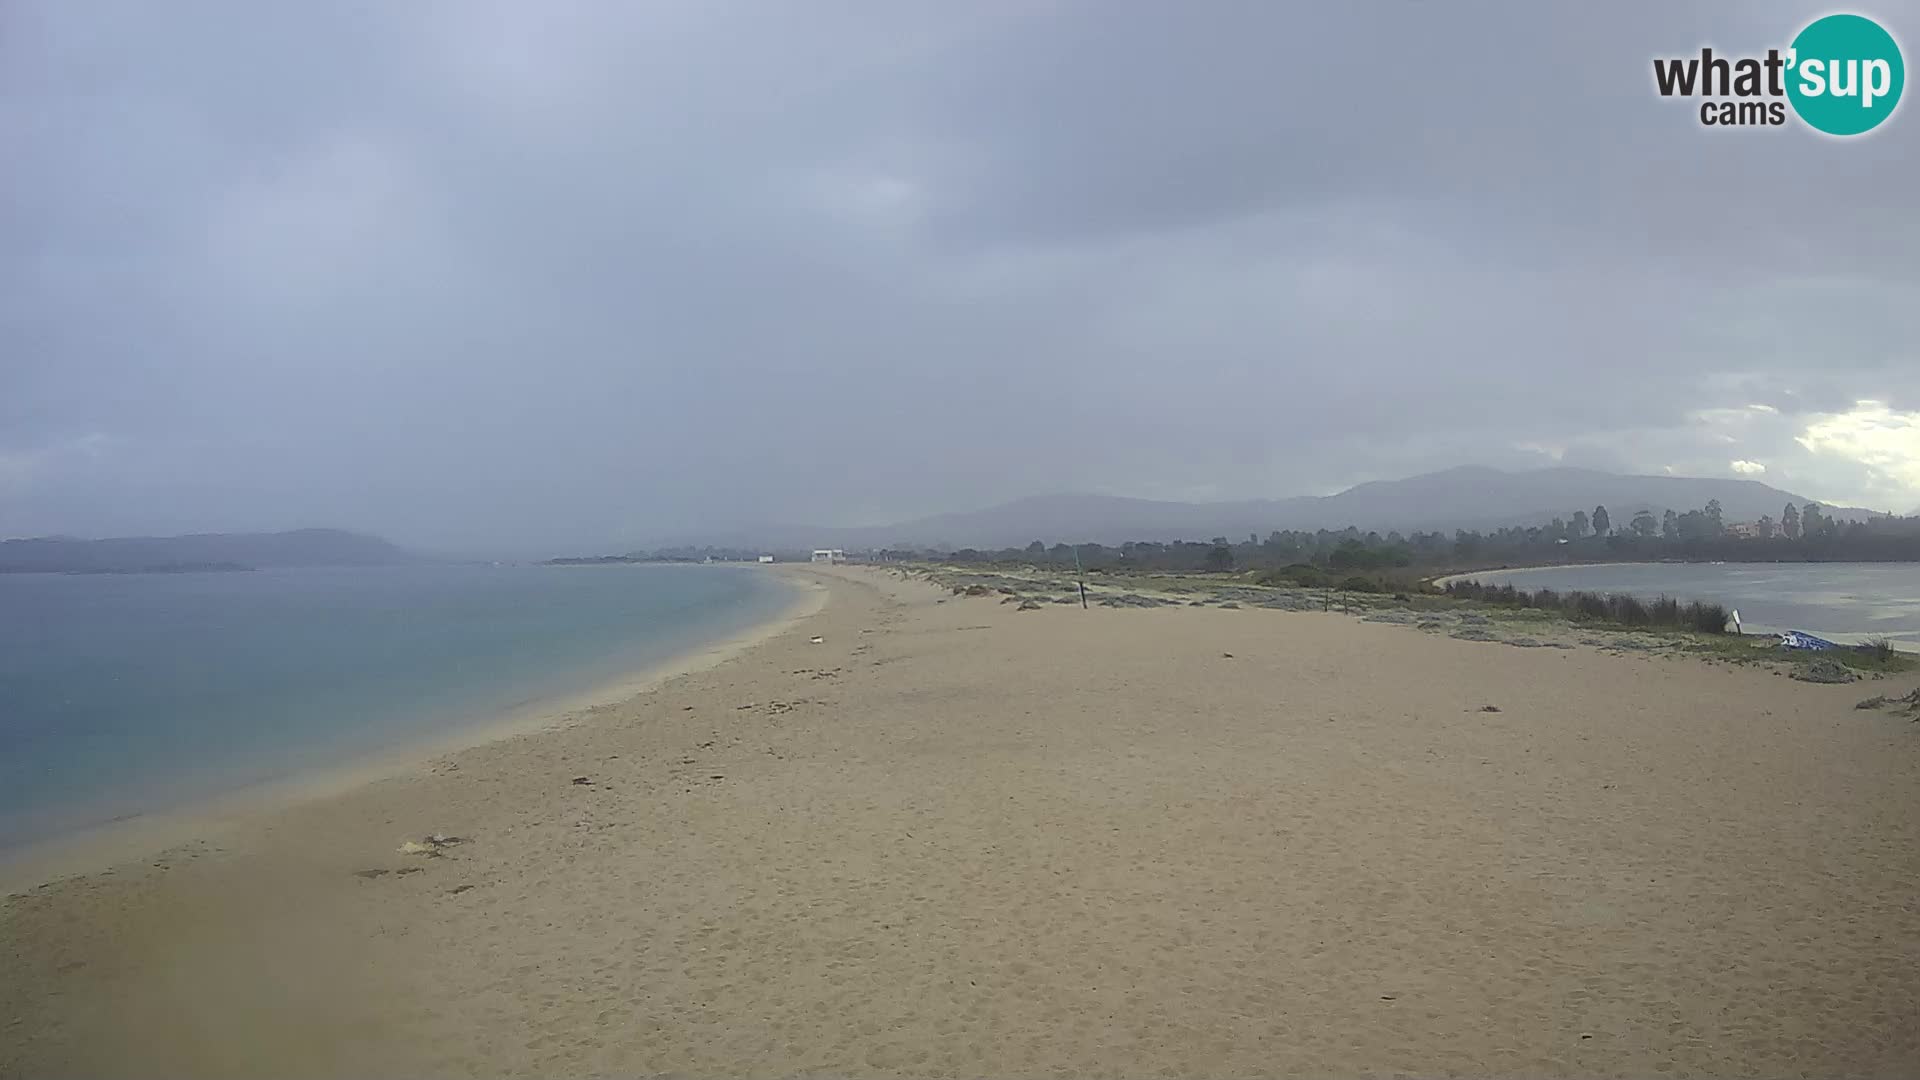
(475, 275)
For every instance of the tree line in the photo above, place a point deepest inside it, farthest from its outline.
(1805, 533)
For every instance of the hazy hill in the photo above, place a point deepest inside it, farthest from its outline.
(1469, 497)
(302, 547)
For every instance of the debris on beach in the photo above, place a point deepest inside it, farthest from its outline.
(1489, 708)
(431, 845)
(1824, 671)
(1028, 605)
(582, 781)
(1880, 701)
(816, 640)
(1132, 600)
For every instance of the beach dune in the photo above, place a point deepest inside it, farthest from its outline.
(956, 838)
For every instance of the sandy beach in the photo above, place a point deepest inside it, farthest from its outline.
(955, 838)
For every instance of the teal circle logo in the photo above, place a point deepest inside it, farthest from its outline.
(1845, 74)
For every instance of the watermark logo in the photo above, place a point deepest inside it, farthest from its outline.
(1842, 75)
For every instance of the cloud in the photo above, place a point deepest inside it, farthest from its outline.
(1747, 468)
(1886, 442)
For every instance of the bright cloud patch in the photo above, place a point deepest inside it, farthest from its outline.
(1885, 441)
(1747, 468)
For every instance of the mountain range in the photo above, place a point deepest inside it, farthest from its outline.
(222, 551)
(1467, 497)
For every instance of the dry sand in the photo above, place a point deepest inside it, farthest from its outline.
(960, 839)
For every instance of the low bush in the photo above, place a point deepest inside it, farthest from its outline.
(1621, 608)
(1298, 574)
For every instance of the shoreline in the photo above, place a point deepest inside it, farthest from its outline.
(1441, 582)
(104, 846)
(1839, 637)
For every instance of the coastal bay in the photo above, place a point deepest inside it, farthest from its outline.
(917, 833)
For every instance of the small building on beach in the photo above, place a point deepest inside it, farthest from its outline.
(766, 558)
(829, 555)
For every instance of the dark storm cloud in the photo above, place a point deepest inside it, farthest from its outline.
(583, 273)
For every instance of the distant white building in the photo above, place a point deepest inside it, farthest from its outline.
(829, 555)
(766, 558)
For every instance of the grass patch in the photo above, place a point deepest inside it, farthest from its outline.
(1620, 609)
(1879, 657)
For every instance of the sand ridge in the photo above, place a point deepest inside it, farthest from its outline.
(954, 838)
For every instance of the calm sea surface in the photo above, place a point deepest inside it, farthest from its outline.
(1844, 600)
(127, 693)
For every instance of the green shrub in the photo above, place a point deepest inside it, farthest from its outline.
(1298, 574)
(1706, 618)
(1621, 608)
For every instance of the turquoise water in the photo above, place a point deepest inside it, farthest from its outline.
(1840, 600)
(121, 694)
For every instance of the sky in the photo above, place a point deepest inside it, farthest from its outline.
(572, 275)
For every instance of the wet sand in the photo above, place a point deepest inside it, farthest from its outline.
(955, 838)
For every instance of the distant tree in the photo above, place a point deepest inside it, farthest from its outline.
(1693, 525)
(1037, 550)
(1579, 524)
(1602, 525)
(1220, 557)
(1765, 526)
(1670, 525)
(1811, 523)
(1644, 524)
(1714, 520)
(1790, 522)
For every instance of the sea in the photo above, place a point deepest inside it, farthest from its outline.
(124, 694)
(1846, 602)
